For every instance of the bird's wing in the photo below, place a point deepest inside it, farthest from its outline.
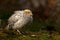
(15, 17)
(19, 24)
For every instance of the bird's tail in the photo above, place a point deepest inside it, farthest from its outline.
(7, 27)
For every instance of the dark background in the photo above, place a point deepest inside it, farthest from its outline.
(46, 13)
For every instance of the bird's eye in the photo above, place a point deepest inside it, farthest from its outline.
(27, 13)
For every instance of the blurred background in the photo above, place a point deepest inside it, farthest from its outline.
(46, 13)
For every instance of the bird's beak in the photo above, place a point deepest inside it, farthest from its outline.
(31, 14)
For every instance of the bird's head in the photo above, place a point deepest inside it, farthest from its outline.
(28, 14)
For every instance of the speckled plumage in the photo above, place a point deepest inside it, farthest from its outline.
(19, 19)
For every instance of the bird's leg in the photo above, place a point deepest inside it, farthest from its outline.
(18, 31)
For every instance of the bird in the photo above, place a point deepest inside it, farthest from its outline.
(19, 19)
